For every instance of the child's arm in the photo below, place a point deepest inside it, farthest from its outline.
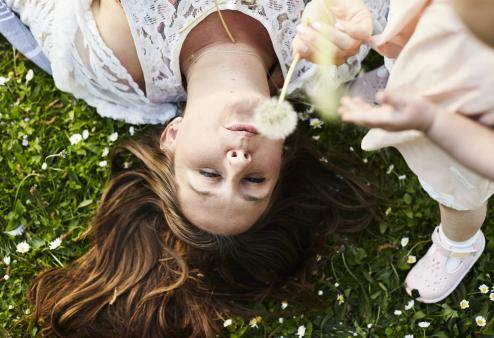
(469, 142)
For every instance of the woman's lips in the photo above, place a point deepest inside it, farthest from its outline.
(243, 127)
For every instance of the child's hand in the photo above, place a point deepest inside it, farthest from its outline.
(340, 26)
(396, 112)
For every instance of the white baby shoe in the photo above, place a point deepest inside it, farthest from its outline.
(432, 279)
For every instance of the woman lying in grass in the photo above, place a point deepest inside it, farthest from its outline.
(208, 213)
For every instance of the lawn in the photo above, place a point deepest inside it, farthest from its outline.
(54, 163)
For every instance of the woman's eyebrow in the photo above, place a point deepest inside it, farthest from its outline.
(246, 197)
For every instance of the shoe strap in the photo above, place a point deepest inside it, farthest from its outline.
(447, 251)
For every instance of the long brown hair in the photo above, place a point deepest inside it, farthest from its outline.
(150, 273)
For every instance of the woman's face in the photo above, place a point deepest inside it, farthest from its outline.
(225, 171)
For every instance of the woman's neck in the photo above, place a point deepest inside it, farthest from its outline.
(211, 63)
(226, 68)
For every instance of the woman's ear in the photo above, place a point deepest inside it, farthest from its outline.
(169, 134)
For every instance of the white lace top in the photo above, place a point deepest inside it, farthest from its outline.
(83, 65)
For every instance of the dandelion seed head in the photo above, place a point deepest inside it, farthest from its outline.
(275, 120)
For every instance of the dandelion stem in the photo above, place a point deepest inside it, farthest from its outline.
(288, 77)
(223, 22)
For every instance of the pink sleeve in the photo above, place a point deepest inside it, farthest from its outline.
(402, 19)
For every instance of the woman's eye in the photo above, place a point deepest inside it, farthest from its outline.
(209, 174)
(255, 179)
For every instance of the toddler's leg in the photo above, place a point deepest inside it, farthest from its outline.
(461, 225)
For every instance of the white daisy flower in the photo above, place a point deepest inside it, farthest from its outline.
(74, 139)
(55, 243)
(480, 321)
(464, 304)
(369, 326)
(301, 331)
(105, 152)
(424, 324)
(113, 137)
(281, 320)
(320, 293)
(404, 241)
(316, 123)
(22, 247)
(484, 289)
(303, 116)
(410, 305)
(44, 166)
(85, 134)
(227, 323)
(255, 321)
(275, 120)
(411, 259)
(29, 75)
(6, 260)
(336, 284)
(4, 80)
(25, 142)
(397, 313)
(491, 296)
(6, 277)
(102, 163)
(316, 137)
(284, 305)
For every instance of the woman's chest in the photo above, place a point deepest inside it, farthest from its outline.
(115, 31)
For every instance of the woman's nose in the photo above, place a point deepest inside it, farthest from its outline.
(238, 157)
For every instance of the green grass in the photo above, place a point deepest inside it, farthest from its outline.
(58, 199)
